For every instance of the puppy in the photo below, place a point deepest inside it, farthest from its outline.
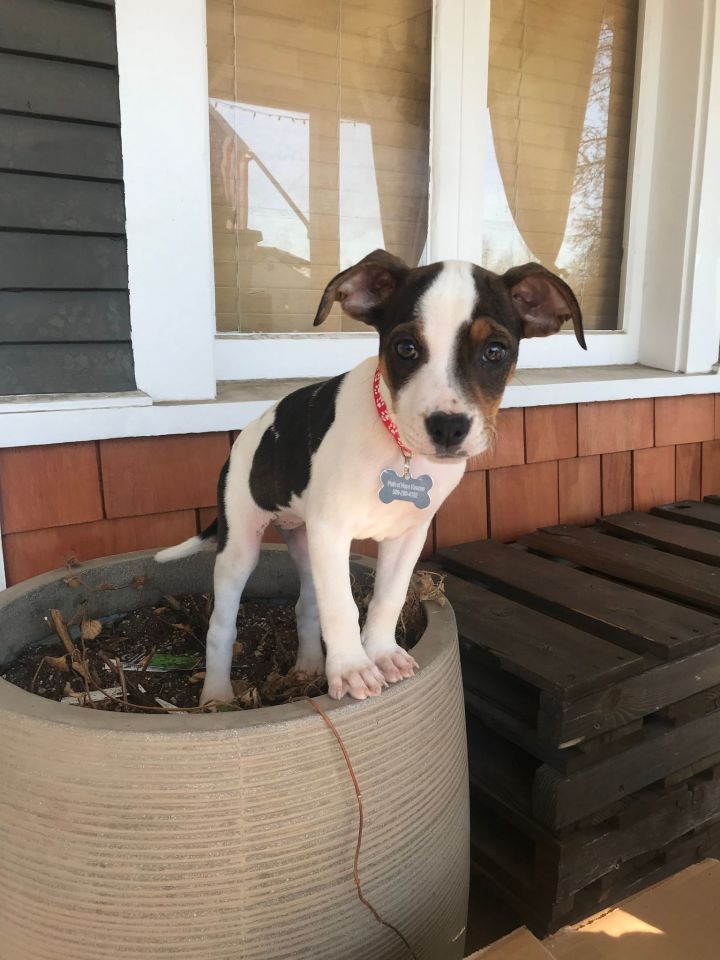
(372, 454)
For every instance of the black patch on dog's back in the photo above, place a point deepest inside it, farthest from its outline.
(222, 525)
(281, 464)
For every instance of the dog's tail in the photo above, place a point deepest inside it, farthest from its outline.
(188, 547)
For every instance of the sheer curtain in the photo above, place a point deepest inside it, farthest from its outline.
(319, 129)
(560, 100)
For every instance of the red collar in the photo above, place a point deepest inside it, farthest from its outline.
(382, 410)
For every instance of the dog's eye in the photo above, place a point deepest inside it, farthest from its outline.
(494, 352)
(407, 349)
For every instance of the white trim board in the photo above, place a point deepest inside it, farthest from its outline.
(162, 66)
(273, 356)
(240, 403)
(35, 402)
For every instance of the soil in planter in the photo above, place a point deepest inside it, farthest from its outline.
(120, 654)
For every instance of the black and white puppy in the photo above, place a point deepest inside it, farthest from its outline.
(312, 465)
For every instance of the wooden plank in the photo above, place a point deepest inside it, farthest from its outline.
(648, 819)
(29, 202)
(615, 612)
(691, 707)
(33, 144)
(640, 696)
(678, 538)
(54, 29)
(676, 577)
(562, 722)
(550, 655)
(637, 874)
(35, 261)
(559, 800)
(58, 316)
(706, 514)
(56, 88)
(564, 759)
(513, 696)
(506, 770)
(66, 368)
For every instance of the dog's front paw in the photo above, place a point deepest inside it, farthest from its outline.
(356, 675)
(216, 691)
(392, 661)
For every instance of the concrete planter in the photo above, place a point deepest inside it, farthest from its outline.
(211, 837)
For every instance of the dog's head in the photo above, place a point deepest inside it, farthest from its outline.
(449, 337)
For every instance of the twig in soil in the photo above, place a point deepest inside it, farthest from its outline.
(125, 682)
(361, 818)
(121, 675)
(136, 706)
(78, 663)
(62, 631)
(85, 673)
(37, 674)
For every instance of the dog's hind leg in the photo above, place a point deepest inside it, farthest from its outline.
(310, 658)
(233, 565)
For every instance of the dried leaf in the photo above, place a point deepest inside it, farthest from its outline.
(159, 610)
(274, 684)
(107, 586)
(237, 648)
(58, 663)
(137, 583)
(90, 629)
(197, 677)
(72, 562)
(430, 586)
(251, 700)
(72, 581)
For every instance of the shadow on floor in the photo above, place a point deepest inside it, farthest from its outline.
(489, 918)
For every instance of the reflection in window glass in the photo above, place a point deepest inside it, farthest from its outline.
(560, 98)
(319, 128)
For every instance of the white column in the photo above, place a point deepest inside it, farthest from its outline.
(162, 62)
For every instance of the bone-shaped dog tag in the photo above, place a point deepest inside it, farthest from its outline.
(411, 489)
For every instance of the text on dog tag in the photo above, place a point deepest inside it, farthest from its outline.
(412, 489)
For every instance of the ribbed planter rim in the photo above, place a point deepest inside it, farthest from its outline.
(439, 633)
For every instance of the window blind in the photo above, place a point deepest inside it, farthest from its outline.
(319, 130)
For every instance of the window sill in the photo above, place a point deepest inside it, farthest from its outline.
(29, 421)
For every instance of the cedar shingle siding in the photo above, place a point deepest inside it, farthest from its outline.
(64, 314)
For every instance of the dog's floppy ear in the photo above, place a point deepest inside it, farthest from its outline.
(361, 289)
(542, 301)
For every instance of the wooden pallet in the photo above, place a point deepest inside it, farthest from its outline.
(591, 661)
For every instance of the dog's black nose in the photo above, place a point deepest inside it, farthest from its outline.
(447, 430)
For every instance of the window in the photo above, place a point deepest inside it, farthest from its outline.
(664, 273)
(319, 130)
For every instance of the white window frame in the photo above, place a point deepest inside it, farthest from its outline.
(669, 318)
